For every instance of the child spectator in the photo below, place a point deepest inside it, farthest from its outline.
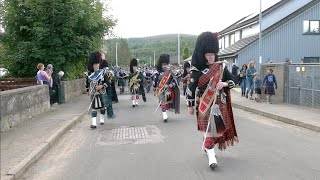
(257, 82)
(269, 83)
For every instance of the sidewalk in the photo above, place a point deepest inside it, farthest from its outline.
(26, 143)
(301, 116)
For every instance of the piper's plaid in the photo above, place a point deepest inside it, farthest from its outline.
(204, 79)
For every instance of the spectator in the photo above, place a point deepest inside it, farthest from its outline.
(49, 71)
(42, 76)
(270, 83)
(243, 79)
(257, 86)
(249, 74)
(56, 87)
(235, 69)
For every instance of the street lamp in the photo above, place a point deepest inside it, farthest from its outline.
(154, 58)
(179, 49)
(117, 54)
(260, 36)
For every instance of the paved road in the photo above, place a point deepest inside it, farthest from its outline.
(138, 145)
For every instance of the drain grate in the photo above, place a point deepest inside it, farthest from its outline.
(129, 133)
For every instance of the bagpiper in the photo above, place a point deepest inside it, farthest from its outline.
(166, 88)
(185, 76)
(209, 91)
(96, 86)
(135, 82)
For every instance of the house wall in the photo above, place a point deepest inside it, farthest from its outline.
(288, 41)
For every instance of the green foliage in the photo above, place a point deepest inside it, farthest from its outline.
(57, 32)
(123, 52)
(142, 48)
(186, 52)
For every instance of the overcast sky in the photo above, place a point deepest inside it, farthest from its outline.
(139, 18)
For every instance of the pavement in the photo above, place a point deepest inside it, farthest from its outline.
(301, 116)
(25, 144)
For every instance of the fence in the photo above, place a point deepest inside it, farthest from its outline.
(14, 83)
(304, 85)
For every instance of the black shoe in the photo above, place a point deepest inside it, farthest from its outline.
(165, 120)
(213, 166)
(93, 127)
(133, 105)
(102, 123)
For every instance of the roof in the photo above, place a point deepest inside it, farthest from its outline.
(241, 23)
(239, 45)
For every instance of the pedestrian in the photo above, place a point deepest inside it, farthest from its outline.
(42, 76)
(257, 86)
(135, 81)
(186, 76)
(269, 83)
(166, 88)
(57, 86)
(212, 98)
(96, 85)
(234, 71)
(243, 79)
(249, 74)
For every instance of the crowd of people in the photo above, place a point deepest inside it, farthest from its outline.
(206, 84)
(46, 76)
(251, 84)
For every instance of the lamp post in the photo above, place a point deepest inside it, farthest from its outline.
(179, 49)
(154, 58)
(260, 36)
(117, 54)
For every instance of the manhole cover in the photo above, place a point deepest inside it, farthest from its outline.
(129, 133)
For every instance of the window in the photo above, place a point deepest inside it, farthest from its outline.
(311, 60)
(220, 43)
(311, 27)
(231, 39)
(241, 34)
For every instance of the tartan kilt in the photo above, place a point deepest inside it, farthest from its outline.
(98, 102)
(269, 90)
(230, 136)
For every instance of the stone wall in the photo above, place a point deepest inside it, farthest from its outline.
(20, 105)
(72, 89)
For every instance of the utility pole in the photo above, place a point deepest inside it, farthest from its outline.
(154, 58)
(117, 54)
(179, 49)
(260, 36)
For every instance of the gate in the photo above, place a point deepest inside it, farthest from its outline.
(304, 85)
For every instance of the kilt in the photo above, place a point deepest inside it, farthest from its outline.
(98, 102)
(269, 90)
(230, 136)
(121, 82)
(257, 90)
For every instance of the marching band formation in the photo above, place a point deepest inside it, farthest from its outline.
(206, 84)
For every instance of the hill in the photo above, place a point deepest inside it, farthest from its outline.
(142, 48)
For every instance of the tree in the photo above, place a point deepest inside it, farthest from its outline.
(124, 55)
(62, 33)
(186, 52)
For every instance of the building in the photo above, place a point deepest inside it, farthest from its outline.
(290, 32)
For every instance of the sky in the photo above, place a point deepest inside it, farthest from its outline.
(140, 18)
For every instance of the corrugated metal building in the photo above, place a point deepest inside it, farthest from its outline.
(290, 32)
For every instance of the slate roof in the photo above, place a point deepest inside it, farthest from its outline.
(239, 45)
